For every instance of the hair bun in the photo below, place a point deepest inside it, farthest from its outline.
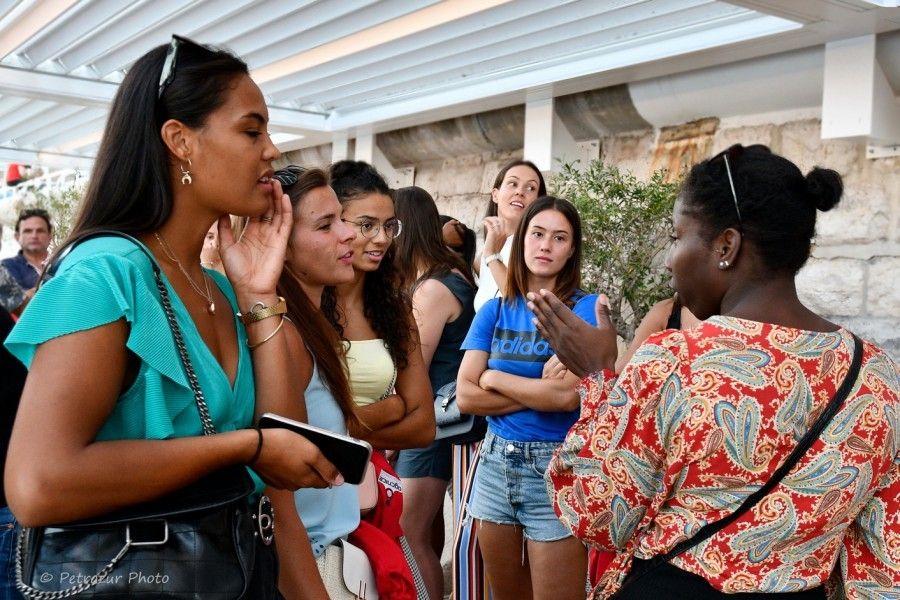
(824, 187)
(343, 168)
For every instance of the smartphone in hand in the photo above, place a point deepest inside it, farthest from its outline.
(350, 455)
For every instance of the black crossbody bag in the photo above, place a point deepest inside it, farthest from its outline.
(649, 578)
(201, 542)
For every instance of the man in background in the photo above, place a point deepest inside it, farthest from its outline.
(33, 235)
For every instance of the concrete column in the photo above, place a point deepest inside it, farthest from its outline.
(548, 142)
(365, 147)
(857, 101)
(339, 147)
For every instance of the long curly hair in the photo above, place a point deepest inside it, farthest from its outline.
(386, 304)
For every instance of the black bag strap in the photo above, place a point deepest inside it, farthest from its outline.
(710, 529)
(205, 419)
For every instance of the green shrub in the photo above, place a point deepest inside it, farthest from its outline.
(626, 224)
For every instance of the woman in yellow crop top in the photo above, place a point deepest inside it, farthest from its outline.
(372, 370)
(373, 316)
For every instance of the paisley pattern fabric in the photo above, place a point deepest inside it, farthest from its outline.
(700, 419)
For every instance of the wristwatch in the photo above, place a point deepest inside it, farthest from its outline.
(492, 257)
(260, 311)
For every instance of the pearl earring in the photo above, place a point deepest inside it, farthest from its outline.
(186, 178)
(724, 264)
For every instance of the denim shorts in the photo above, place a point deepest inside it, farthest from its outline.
(509, 488)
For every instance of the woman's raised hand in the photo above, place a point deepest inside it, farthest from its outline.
(495, 235)
(254, 262)
(581, 348)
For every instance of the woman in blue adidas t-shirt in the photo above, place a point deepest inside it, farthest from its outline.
(502, 376)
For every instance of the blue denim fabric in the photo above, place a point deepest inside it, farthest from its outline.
(8, 556)
(509, 488)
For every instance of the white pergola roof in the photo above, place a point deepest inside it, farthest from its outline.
(341, 67)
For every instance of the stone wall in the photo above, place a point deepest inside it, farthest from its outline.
(461, 186)
(852, 277)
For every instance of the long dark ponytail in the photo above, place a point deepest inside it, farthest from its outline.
(129, 189)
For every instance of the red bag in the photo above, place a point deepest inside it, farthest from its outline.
(379, 533)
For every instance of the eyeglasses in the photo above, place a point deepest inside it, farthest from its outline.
(734, 151)
(369, 228)
(168, 71)
(289, 175)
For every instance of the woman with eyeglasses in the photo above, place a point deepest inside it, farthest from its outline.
(373, 315)
(527, 552)
(108, 418)
(672, 463)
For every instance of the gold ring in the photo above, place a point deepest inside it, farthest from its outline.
(266, 219)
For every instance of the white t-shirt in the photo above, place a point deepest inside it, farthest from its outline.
(487, 287)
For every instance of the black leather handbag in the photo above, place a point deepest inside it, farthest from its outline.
(201, 542)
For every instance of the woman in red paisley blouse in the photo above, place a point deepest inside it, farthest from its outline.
(698, 420)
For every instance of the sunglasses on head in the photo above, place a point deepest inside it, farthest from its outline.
(730, 155)
(289, 175)
(168, 71)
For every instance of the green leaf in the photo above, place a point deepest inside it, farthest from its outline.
(625, 224)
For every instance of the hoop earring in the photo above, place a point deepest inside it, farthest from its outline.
(186, 178)
(724, 264)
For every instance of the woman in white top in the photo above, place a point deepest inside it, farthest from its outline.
(517, 185)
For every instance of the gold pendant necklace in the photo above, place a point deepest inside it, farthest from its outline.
(167, 250)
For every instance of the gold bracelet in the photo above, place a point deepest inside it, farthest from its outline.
(268, 337)
(260, 311)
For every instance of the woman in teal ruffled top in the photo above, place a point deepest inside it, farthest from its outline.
(107, 418)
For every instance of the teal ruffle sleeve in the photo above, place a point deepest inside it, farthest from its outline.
(107, 279)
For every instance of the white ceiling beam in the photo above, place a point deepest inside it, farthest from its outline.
(29, 23)
(62, 135)
(423, 42)
(76, 25)
(366, 39)
(185, 23)
(295, 121)
(6, 6)
(86, 145)
(29, 111)
(113, 34)
(557, 46)
(305, 27)
(41, 121)
(608, 58)
(323, 23)
(56, 88)
(447, 42)
(232, 31)
(52, 159)
(10, 104)
(91, 118)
